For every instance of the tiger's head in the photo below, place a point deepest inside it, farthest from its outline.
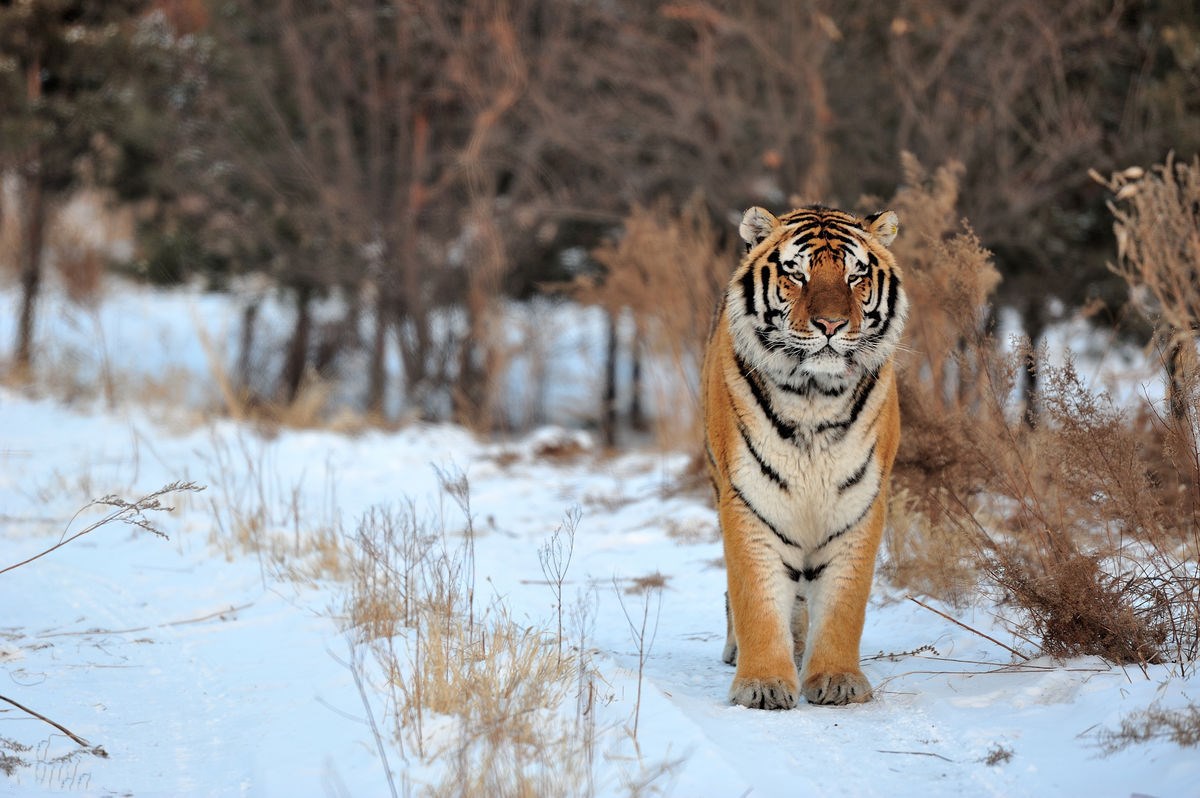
(818, 293)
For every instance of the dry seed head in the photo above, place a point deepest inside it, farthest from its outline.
(1127, 191)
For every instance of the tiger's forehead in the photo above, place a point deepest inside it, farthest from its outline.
(809, 235)
(818, 214)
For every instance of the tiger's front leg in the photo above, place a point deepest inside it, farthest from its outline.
(760, 608)
(799, 632)
(837, 607)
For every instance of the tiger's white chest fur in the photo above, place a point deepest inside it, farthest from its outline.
(817, 481)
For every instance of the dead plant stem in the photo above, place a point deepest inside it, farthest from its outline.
(126, 512)
(79, 740)
(1010, 649)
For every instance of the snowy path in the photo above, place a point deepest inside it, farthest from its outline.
(186, 693)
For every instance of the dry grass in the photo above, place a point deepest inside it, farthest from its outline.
(927, 555)
(998, 754)
(254, 512)
(80, 265)
(637, 585)
(1180, 726)
(311, 409)
(692, 531)
(10, 760)
(469, 686)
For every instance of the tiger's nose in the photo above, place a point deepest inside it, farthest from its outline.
(829, 326)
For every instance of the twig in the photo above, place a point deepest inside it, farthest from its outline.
(639, 637)
(1010, 649)
(97, 750)
(352, 664)
(132, 513)
(184, 622)
(915, 753)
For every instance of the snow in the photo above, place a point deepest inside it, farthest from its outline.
(203, 668)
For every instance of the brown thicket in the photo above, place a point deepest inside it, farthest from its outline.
(1083, 520)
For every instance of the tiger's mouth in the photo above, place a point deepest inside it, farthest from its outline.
(817, 355)
(828, 348)
(829, 360)
(821, 347)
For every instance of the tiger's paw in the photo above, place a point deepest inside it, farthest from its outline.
(850, 687)
(773, 693)
(729, 655)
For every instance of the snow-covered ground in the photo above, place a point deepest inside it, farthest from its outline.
(203, 669)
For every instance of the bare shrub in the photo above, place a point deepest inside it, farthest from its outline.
(1157, 226)
(643, 634)
(949, 278)
(1075, 606)
(1072, 525)
(555, 558)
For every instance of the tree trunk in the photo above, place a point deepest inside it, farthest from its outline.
(376, 371)
(31, 268)
(297, 353)
(468, 393)
(608, 410)
(246, 346)
(637, 414)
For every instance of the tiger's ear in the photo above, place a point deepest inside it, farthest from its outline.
(884, 226)
(756, 225)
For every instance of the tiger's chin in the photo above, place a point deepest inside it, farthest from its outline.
(830, 364)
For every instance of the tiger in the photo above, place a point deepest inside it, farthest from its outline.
(802, 424)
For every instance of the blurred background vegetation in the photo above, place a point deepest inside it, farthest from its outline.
(425, 163)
